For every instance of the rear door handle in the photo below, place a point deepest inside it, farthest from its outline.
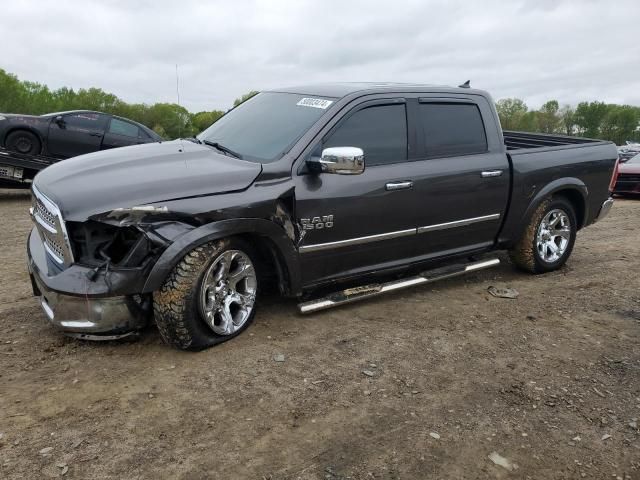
(491, 173)
(95, 134)
(399, 185)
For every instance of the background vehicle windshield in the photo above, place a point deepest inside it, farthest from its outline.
(266, 126)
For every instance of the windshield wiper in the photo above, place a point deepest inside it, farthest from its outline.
(192, 139)
(222, 148)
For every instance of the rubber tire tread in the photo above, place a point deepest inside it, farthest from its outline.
(175, 304)
(525, 254)
(35, 141)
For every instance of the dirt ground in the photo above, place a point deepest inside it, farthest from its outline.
(549, 381)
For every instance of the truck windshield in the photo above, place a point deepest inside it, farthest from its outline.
(265, 127)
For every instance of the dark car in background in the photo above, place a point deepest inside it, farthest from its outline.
(628, 181)
(67, 134)
(30, 143)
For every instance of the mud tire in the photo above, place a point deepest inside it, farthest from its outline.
(525, 254)
(175, 304)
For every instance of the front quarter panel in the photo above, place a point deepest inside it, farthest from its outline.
(223, 229)
(264, 210)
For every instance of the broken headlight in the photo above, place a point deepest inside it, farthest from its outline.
(96, 243)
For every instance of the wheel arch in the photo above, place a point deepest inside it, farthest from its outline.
(578, 202)
(270, 240)
(573, 189)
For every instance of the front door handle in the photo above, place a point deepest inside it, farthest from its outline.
(491, 173)
(95, 134)
(399, 185)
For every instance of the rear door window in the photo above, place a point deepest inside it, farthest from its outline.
(452, 129)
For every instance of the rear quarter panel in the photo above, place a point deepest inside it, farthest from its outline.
(538, 173)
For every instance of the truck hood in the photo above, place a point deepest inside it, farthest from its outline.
(141, 175)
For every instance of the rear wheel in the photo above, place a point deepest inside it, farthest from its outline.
(23, 141)
(548, 239)
(209, 297)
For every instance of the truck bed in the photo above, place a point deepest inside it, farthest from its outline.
(525, 140)
(582, 165)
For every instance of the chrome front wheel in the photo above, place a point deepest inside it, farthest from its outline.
(553, 235)
(228, 292)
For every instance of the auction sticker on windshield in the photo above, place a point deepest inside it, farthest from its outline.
(315, 103)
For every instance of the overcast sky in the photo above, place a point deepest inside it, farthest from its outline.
(532, 49)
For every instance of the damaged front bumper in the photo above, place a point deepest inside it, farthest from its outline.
(96, 310)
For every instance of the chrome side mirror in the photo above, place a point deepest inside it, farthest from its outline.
(338, 160)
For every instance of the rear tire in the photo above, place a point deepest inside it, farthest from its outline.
(209, 297)
(548, 239)
(23, 141)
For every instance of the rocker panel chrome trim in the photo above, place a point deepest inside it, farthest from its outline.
(399, 233)
(357, 241)
(458, 223)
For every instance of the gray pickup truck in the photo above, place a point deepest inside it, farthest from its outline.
(330, 194)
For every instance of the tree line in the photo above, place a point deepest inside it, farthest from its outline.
(607, 121)
(613, 122)
(167, 119)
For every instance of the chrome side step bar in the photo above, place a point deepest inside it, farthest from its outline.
(372, 290)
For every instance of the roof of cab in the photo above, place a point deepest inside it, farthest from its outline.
(339, 90)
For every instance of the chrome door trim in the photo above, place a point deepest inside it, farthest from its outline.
(458, 223)
(357, 241)
(491, 173)
(397, 234)
(399, 185)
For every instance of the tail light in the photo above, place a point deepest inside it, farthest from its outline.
(614, 176)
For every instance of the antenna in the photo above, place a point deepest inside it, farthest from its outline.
(177, 85)
(466, 84)
(178, 97)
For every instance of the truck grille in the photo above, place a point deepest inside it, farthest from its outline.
(51, 228)
(44, 214)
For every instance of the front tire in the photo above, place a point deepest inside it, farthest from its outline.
(548, 239)
(23, 141)
(209, 297)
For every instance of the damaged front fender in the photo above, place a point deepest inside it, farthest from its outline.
(285, 249)
(141, 215)
(157, 224)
